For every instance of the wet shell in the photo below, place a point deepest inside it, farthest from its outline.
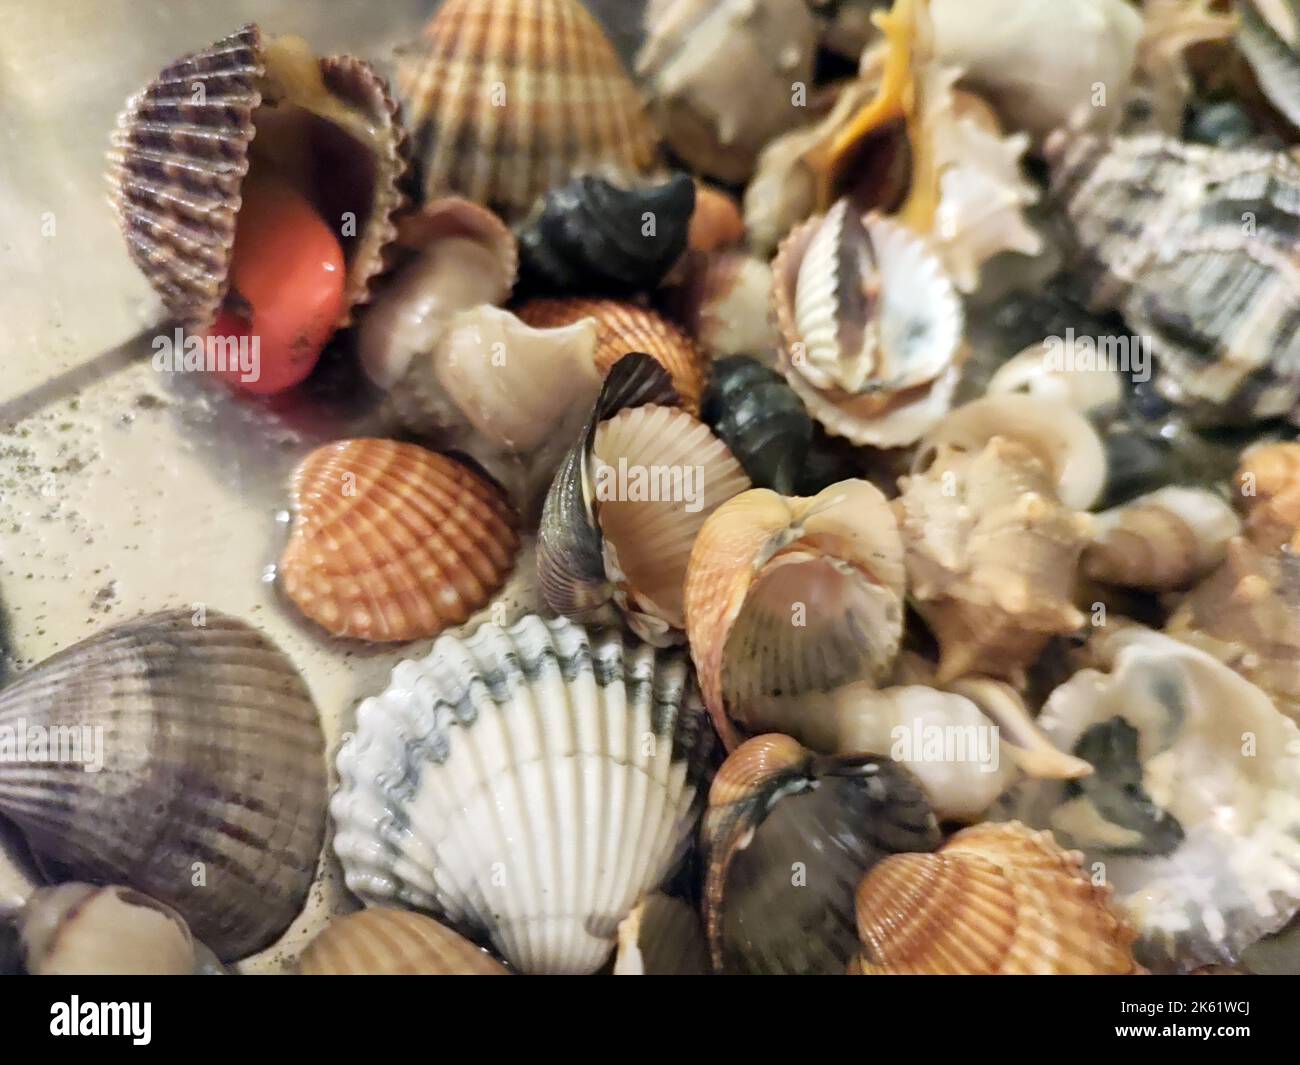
(1268, 483)
(1058, 436)
(723, 77)
(722, 301)
(393, 542)
(1247, 614)
(870, 327)
(1162, 541)
(661, 937)
(716, 222)
(789, 595)
(385, 942)
(761, 420)
(1269, 36)
(628, 502)
(526, 785)
(212, 764)
(494, 383)
(1195, 247)
(786, 839)
(84, 930)
(1039, 62)
(507, 99)
(1037, 372)
(1191, 807)
(625, 328)
(180, 155)
(991, 557)
(594, 237)
(995, 900)
(454, 255)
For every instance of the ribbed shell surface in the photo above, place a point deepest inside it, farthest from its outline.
(211, 797)
(529, 783)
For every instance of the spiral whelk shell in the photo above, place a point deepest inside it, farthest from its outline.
(870, 326)
(1195, 247)
(992, 556)
(789, 595)
(393, 542)
(387, 942)
(506, 99)
(996, 899)
(786, 839)
(185, 143)
(593, 237)
(1165, 540)
(526, 785)
(211, 793)
(723, 77)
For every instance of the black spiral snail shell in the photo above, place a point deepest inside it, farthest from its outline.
(761, 419)
(593, 237)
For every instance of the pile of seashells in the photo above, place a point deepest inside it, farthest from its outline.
(863, 641)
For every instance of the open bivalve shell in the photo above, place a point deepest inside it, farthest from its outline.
(788, 595)
(84, 930)
(201, 776)
(786, 840)
(527, 785)
(992, 557)
(507, 99)
(393, 542)
(996, 899)
(628, 502)
(386, 942)
(1191, 811)
(870, 327)
(185, 145)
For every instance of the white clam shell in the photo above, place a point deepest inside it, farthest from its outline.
(529, 784)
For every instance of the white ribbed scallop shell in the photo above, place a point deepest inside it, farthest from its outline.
(529, 784)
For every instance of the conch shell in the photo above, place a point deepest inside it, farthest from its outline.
(723, 77)
(788, 595)
(996, 899)
(871, 328)
(991, 557)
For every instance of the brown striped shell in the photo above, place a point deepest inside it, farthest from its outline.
(393, 542)
(210, 796)
(185, 143)
(625, 328)
(509, 98)
(386, 942)
(996, 899)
